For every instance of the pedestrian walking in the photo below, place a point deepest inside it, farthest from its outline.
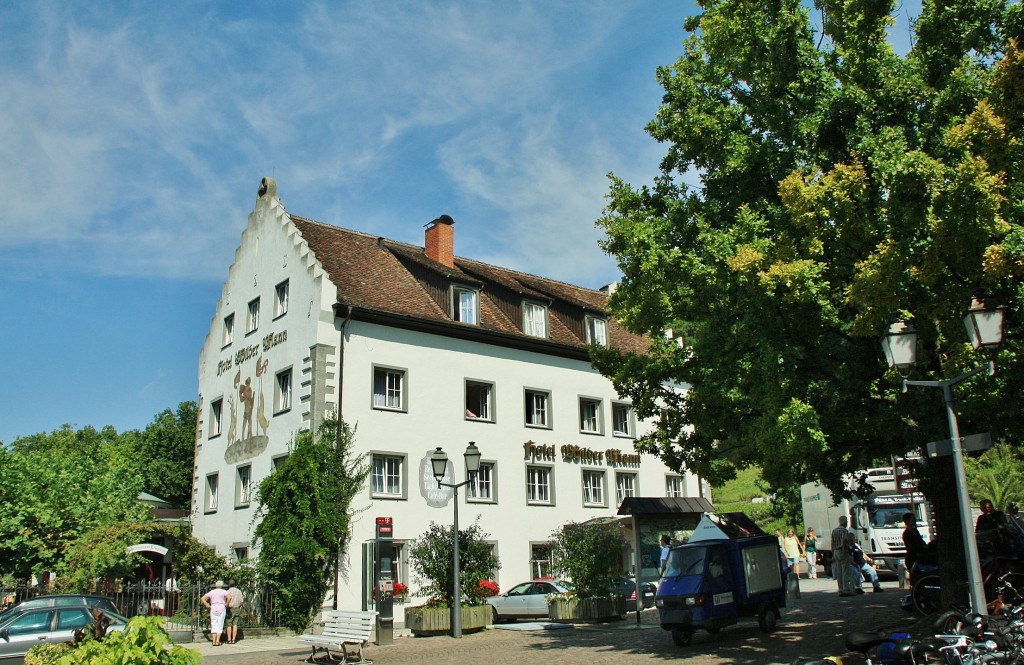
(811, 553)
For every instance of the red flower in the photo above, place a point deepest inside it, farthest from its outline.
(488, 588)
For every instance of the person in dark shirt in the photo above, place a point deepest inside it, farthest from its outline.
(989, 517)
(912, 541)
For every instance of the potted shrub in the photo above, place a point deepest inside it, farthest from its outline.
(431, 557)
(590, 554)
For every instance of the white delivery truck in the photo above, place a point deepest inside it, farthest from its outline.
(877, 519)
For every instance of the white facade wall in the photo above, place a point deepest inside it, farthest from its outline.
(436, 369)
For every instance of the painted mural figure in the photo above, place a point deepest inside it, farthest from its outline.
(245, 394)
(261, 411)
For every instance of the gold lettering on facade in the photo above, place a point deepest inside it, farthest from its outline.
(534, 451)
(619, 458)
(580, 454)
(248, 353)
(273, 339)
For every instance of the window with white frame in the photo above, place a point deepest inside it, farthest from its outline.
(625, 485)
(593, 487)
(229, 330)
(388, 477)
(465, 304)
(622, 419)
(252, 322)
(281, 299)
(241, 554)
(216, 412)
(283, 391)
(479, 400)
(538, 485)
(243, 486)
(212, 490)
(277, 462)
(590, 415)
(389, 388)
(597, 331)
(673, 486)
(538, 408)
(535, 319)
(481, 487)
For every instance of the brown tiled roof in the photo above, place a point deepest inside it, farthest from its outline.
(387, 277)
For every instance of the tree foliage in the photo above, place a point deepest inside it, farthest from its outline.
(431, 557)
(998, 475)
(56, 487)
(590, 554)
(166, 451)
(840, 185)
(304, 518)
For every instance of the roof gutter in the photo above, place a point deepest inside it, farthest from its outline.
(461, 331)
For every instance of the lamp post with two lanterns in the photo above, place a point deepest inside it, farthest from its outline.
(984, 323)
(439, 463)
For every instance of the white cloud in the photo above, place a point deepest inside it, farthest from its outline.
(141, 132)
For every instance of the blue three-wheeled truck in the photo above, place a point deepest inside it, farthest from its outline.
(723, 572)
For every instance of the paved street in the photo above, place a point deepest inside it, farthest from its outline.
(812, 625)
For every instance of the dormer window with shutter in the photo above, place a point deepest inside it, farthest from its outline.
(465, 304)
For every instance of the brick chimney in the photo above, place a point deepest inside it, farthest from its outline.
(439, 242)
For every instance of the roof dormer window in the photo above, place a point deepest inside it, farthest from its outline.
(465, 304)
(535, 319)
(597, 331)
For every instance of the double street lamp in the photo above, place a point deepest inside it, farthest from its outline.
(439, 462)
(984, 322)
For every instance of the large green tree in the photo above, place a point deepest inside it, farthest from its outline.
(165, 450)
(304, 519)
(56, 487)
(817, 185)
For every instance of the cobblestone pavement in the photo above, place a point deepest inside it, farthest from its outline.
(812, 625)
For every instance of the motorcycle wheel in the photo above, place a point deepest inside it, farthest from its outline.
(951, 622)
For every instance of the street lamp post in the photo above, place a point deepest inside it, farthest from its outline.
(439, 462)
(984, 322)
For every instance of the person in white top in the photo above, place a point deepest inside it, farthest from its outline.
(666, 545)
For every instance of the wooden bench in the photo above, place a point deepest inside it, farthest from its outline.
(341, 628)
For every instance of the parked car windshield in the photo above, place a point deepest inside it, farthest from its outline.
(685, 561)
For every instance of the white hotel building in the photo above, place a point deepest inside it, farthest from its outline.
(417, 348)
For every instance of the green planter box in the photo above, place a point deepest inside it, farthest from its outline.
(583, 610)
(437, 620)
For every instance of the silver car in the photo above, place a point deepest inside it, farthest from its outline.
(22, 630)
(528, 599)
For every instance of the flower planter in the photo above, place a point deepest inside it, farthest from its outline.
(583, 610)
(437, 620)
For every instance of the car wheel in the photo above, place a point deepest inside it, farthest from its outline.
(682, 636)
(494, 615)
(768, 618)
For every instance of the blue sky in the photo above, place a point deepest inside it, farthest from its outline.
(134, 136)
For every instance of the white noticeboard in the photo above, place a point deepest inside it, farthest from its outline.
(435, 495)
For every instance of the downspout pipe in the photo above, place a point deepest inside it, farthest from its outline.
(337, 417)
